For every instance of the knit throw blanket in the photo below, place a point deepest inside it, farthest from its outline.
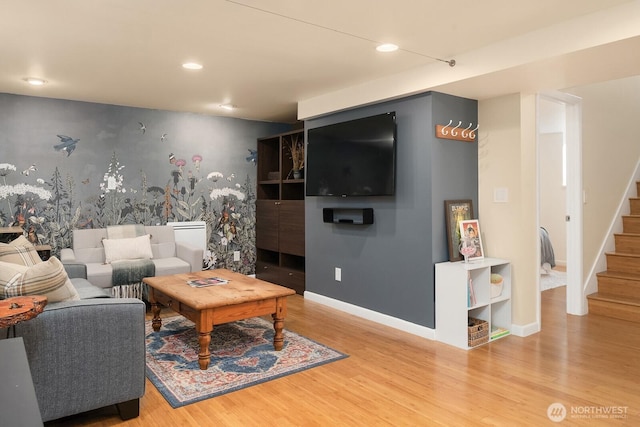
(131, 270)
(127, 275)
(133, 290)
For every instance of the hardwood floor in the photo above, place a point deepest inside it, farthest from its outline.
(587, 363)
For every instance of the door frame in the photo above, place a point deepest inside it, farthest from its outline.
(576, 299)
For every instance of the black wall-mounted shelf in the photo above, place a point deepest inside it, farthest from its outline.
(357, 216)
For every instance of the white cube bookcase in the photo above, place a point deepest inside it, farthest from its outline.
(463, 291)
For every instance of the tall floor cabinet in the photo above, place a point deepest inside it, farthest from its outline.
(280, 214)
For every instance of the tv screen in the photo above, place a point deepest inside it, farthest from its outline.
(353, 158)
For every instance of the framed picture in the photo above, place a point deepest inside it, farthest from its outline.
(456, 211)
(471, 240)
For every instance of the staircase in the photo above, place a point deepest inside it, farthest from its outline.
(618, 293)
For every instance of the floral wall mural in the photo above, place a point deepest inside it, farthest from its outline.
(67, 165)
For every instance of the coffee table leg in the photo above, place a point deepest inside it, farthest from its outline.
(156, 322)
(278, 337)
(204, 355)
(278, 323)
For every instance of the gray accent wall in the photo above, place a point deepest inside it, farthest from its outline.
(388, 267)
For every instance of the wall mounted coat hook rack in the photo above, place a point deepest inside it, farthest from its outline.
(447, 132)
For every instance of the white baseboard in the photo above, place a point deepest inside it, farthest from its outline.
(374, 316)
(525, 330)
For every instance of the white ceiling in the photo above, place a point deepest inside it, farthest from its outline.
(264, 56)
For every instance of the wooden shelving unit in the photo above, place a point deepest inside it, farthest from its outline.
(279, 214)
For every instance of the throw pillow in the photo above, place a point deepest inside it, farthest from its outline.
(132, 248)
(47, 278)
(19, 251)
(126, 231)
(21, 241)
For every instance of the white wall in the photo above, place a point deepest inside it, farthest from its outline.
(611, 149)
(507, 153)
(553, 194)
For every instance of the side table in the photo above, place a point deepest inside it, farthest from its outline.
(18, 309)
(8, 234)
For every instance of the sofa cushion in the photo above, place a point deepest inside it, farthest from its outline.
(163, 242)
(99, 274)
(163, 250)
(19, 251)
(47, 278)
(91, 255)
(126, 231)
(127, 248)
(172, 265)
(87, 244)
(87, 291)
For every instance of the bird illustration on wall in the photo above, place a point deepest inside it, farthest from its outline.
(67, 144)
(163, 137)
(30, 169)
(143, 128)
(252, 157)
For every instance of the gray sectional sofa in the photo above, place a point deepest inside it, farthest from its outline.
(86, 354)
(90, 353)
(169, 256)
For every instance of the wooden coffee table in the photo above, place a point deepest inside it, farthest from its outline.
(243, 297)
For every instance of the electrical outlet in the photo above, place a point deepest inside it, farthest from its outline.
(338, 274)
(236, 256)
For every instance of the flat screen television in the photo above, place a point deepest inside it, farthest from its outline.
(352, 158)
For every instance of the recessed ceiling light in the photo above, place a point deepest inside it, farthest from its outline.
(35, 81)
(387, 47)
(192, 66)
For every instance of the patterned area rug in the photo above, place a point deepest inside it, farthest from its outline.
(242, 355)
(553, 280)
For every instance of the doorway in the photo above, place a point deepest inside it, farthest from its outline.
(559, 123)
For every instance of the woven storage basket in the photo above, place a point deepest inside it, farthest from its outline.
(478, 332)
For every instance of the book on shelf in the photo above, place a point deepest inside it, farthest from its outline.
(499, 332)
(207, 281)
(471, 301)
